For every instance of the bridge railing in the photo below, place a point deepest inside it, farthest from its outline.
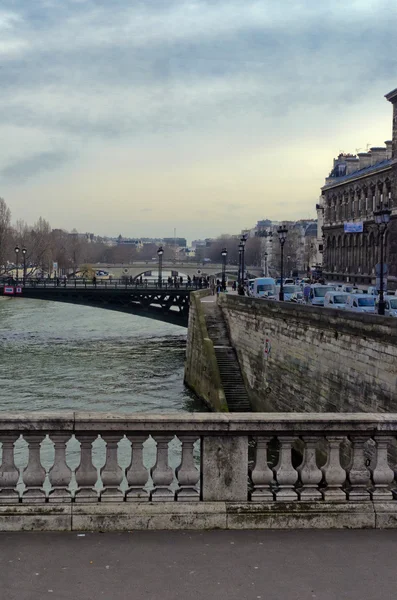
(121, 284)
(264, 457)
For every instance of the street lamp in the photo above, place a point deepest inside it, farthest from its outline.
(240, 253)
(160, 253)
(266, 255)
(224, 256)
(282, 236)
(382, 219)
(242, 245)
(16, 260)
(24, 265)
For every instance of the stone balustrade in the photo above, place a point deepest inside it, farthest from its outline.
(256, 462)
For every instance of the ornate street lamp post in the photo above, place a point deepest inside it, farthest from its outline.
(160, 253)
(242, 245)
(224, 256)
(382, 219)
(240, 252)
(16, 260)
(24, 265)
(282, 236)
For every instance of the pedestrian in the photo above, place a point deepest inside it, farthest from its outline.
(94, 280)
(306, 292)
(212, 288)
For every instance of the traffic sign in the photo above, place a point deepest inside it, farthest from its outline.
(8, 290)
(384, 283)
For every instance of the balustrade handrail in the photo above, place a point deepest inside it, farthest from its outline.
(202, 423)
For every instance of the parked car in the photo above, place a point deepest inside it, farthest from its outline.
(264, 287)
(372, 290)
(390, 306)
(297, 297)
(335, 299)
(317, 293)
(289, 291)
(360, 303)
(350, 289)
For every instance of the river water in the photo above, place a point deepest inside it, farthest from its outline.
(56, 356)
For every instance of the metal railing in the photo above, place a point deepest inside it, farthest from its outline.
(114, 284)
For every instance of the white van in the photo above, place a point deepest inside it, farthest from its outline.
(289, 291)
(361, 303)
(335, 300)
(391, 306)
(317, 293)
(264, 287)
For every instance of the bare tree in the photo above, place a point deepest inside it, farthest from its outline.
(5, 231)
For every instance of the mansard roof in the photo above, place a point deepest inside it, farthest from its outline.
(384, 164)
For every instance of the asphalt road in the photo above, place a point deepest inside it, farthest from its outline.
(219, 565)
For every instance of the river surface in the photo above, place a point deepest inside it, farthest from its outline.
(56, 356)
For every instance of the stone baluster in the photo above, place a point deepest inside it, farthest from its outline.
(60, 474)
(34, 474)
(261, 475)
(111, 472)
(286, 475)
(333, 472)
(382, 474)
(86, 473)
(161, 473)
(359, 476)
(9, 474)
(137, 474)
(310, 474)
(187, 472)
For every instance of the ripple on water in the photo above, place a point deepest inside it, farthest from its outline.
(57, 356)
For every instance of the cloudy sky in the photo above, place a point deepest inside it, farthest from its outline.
(138, 116)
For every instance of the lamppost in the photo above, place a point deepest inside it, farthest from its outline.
(224, 256)
(266, 255)
(242, 244)
(16, 260)
(160, 253)
(282, 236)
(382, 218)
(240, 253)
(24, 265)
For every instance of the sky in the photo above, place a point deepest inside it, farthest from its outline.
(138, 117)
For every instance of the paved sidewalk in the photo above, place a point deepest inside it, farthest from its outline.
(213, 565)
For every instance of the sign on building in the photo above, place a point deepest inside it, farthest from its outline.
(353, 227)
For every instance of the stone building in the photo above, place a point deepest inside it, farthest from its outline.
(356, 186)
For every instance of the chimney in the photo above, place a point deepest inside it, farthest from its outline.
(365, 160)
(392, 97)
(377, 155)
(389, 146)
(352, 164)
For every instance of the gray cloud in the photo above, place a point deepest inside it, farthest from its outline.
(21, 170)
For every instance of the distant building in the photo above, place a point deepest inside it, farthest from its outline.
(356, 186)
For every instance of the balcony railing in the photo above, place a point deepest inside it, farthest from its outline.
(264, 457)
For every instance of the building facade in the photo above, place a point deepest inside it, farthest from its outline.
(356, 187)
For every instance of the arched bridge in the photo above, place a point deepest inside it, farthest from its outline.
(143, 268)
(164, 304)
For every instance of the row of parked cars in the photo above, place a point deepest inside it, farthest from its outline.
(344, 297)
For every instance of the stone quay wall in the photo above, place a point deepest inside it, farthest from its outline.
(307, 359)
(201, 367)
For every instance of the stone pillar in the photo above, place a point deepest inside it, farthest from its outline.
(9, 474)
(224, 468)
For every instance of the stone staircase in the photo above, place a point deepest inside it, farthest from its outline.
(229, 368)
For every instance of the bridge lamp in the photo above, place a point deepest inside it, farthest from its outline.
(16, 260)
(160, 253)
(242, 246)
(24, 264)
(382, 219)
(240, 254)
(224, 257)
(282, 236)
